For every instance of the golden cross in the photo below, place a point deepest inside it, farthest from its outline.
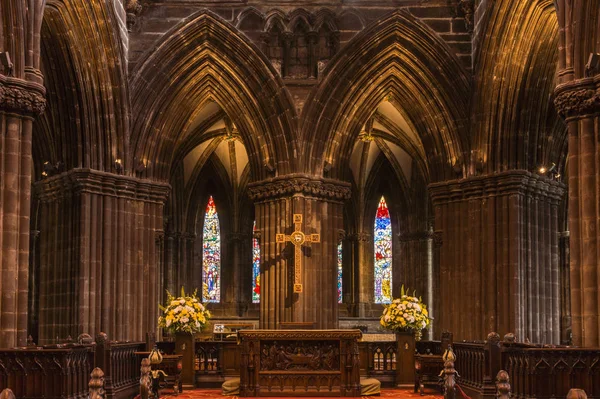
(297, 238)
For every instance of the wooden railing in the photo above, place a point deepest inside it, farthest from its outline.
(121, 365)
(50, 373)
(536, 371)
(63, 370)
(470, 363)
(551, 372)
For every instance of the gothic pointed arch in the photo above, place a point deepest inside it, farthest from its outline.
(217, 63)
(87, 114)
(516, 61)
(403, 59)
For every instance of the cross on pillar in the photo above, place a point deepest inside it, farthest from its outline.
(297, 238)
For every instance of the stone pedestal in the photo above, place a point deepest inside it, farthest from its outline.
(499, 259)
(99, 254)
(405, 359)
(320, 202)
(185, 346)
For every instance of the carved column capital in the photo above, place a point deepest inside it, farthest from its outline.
(21, 96)
(437, 239)
(578, 99)
(284, 186)
(77, 181)
(360, 236)
(238, 237)
(415, 236)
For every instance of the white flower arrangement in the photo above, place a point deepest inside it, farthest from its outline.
(184, 314)
(404, 314)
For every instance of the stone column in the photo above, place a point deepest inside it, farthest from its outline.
(20, 101)
(320, 202)
(98, 255)
(365, 275)
(313, 40)
(577, 100)
(413, 270)
(287, 38)
(566, 335)
(499, 262)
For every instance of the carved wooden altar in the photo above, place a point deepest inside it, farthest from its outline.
(299, 363)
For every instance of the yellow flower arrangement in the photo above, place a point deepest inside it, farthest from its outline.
(404, 314)
(183, 314)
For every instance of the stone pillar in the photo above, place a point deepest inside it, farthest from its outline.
(577, 100)
(313, 40)
(98, 255)
(365, 277)
(20, 101)
(320, 202)
(499, 262)
(413, 270)
(566, 334)
(287, 38)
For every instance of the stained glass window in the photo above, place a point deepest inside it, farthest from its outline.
(339, 270)
(211, 254)
(383, 254)
(255, 269)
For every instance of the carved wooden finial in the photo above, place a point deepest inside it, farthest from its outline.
(502, 385)
(101, 338)
(573, 394)
(7, 394)
(449, 374)
(96, 384)
(145, 380)
(510, 338)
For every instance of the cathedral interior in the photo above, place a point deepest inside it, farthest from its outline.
(447, 146)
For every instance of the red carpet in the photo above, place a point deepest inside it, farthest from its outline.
(216, 394)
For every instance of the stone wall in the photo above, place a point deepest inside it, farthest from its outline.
(447, 19)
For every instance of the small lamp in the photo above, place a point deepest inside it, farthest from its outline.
(118, 165)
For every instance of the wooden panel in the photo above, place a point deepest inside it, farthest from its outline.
(299, 363)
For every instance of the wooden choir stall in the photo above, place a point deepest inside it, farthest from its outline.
(299, 363)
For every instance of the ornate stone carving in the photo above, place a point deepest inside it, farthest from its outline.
(361, 236)
(91, 181)
(238, 237)
(578, 98)
(467, 9)
(298, 184)
(437, 239)
(21, 96)
(415, 236)
(133, 9)
(519, 182)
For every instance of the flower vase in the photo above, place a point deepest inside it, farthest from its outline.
(185, 346)
(405, 359)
